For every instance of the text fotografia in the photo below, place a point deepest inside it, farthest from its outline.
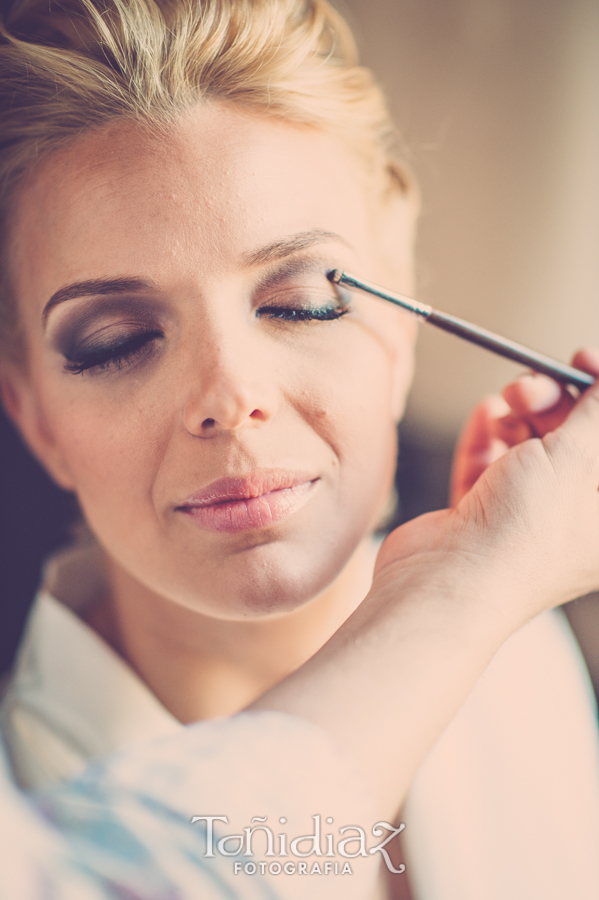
(351, 842)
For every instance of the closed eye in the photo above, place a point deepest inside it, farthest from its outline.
(116, 355)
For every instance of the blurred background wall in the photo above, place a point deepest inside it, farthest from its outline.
(498, 104)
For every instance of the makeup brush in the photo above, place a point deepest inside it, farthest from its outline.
(504, 347)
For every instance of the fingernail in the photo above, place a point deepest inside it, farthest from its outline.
(542, 392)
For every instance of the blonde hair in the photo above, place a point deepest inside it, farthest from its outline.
(67, 66)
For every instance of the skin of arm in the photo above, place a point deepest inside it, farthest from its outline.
(450, 587)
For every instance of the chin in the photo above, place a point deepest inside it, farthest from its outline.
(271, 580)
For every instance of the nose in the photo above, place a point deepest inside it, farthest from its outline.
(231, 389)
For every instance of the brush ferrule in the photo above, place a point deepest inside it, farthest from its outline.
(413, 306)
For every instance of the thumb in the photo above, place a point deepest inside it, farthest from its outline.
(582, 424)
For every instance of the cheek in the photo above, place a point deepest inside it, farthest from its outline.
(376, 385)
(352, 407)
(112, 452)
(376, 375)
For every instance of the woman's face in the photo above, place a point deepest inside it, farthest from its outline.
(224, 415)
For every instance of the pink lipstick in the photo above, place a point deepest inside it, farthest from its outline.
(258, 500)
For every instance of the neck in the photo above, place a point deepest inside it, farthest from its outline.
(200, 667)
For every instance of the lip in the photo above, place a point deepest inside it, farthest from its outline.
(258, 500)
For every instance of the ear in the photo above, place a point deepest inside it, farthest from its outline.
(22, 406)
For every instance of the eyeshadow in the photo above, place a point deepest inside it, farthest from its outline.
(67, 335)
(302, 266)
(291, 268)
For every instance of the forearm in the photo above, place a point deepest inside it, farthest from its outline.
(399, 668)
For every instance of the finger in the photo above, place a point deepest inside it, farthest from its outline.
(587, 359)
(477, 446)
(512, 430)
(539, 401)
(582, 426)
(531, 394)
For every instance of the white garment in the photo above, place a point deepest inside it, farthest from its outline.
(72, 699)
(124, 827)
(505, 807)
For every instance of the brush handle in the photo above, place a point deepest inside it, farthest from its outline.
(472, 333)
(511, 350)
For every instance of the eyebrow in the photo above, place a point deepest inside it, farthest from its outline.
(286, 246)
(277, 250)
(96, 287)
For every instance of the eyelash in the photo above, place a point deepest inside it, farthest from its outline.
(124, 353)
(303, 313)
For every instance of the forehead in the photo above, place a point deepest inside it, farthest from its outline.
(213, 187)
